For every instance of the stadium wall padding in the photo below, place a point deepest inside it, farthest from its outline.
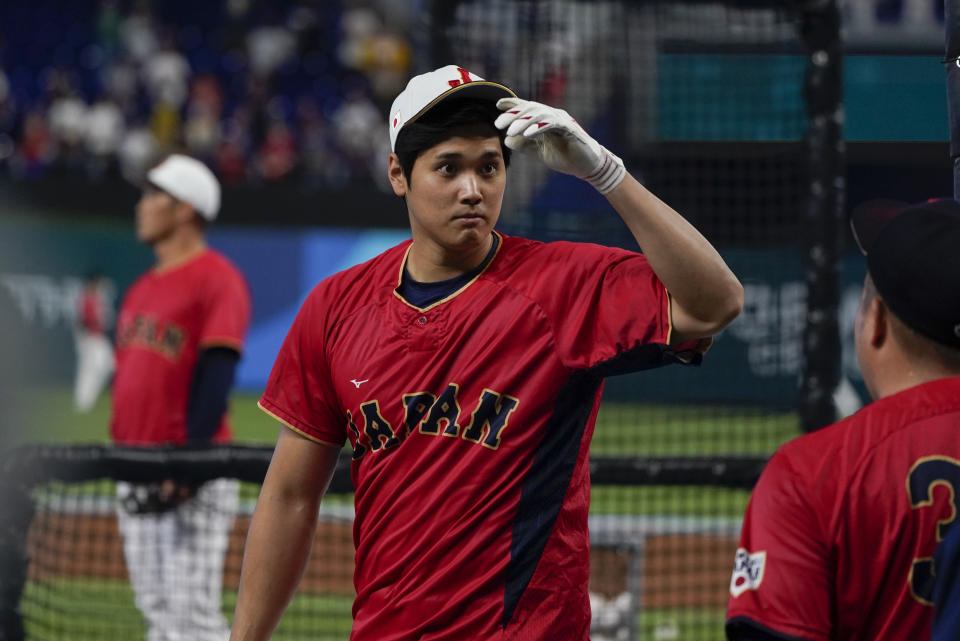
(756, 360)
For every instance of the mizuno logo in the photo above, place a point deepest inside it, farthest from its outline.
(357, 383)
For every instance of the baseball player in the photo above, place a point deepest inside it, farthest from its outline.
(840, 532)
(465, 368)
(179, 334)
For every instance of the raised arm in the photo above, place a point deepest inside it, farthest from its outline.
(705, 294)
(281, 533)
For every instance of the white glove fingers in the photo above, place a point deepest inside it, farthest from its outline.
(513, 108)
(540, 127)
(508, 103)
(536, 116)
(518, 126)
(516, 143)
(505, 119)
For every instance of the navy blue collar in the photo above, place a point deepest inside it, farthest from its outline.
(425, 294)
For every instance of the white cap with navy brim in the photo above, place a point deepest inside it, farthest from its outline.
(189, 180)
(427, 90)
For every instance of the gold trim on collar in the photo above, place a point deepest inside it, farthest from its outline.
(403, 264)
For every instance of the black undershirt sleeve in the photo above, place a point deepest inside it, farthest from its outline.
(742, 629)
(212, 380)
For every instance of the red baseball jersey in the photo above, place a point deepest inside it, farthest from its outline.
(470, 422)
(840, 532)
(166, 318)
(91, 311)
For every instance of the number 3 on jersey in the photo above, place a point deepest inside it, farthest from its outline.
(927, 473)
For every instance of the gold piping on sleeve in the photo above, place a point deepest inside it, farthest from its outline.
(669, 313)
(298, 431)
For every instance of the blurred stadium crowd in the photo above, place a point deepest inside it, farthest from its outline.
(282, 91)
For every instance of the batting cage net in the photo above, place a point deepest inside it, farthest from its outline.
(730, 113)
(726, 110)
(78, 518)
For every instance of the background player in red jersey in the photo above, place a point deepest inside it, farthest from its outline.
(179, 334)
(465, 367)
(841, 529)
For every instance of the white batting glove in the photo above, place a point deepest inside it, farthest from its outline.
(561, 141)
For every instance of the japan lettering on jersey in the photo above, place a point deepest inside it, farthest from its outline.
(470, 422)
(165, 319)
(839, 536)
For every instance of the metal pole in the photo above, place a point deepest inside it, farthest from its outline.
(824, 218)
(951, 14)
(16, 513)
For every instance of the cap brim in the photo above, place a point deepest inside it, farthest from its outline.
(867, 219)
(477, 89)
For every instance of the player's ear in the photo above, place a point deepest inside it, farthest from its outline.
(395, 173)
(183, 211)
(878, 325)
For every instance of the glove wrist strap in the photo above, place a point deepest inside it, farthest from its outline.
(609, 175)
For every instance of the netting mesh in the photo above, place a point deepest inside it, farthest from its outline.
(705, 103)
(79, 585)
(660, 564)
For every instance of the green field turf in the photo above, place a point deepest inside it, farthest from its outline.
(96, 609)
(88, 609)
(623, 429)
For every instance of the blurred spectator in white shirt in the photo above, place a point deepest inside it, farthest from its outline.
(356, 123)
(138, 33)
(105, 127)
(67, 117)
(166, 74)
(268, 48)
(137, 152)
(120, 81)
(104, 132)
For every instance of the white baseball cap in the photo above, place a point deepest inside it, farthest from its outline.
(429, 89)
(189, 180)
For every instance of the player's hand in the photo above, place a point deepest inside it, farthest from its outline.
(561, 141)
(173, 493)
(156, 498)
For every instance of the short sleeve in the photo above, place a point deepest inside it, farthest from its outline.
(608, 308)
(300, 392)
(227, 310)
(781, 576)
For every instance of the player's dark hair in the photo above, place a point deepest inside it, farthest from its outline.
(946, 356)
(442, 123)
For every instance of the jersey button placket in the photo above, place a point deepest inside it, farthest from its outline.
(421, 320)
